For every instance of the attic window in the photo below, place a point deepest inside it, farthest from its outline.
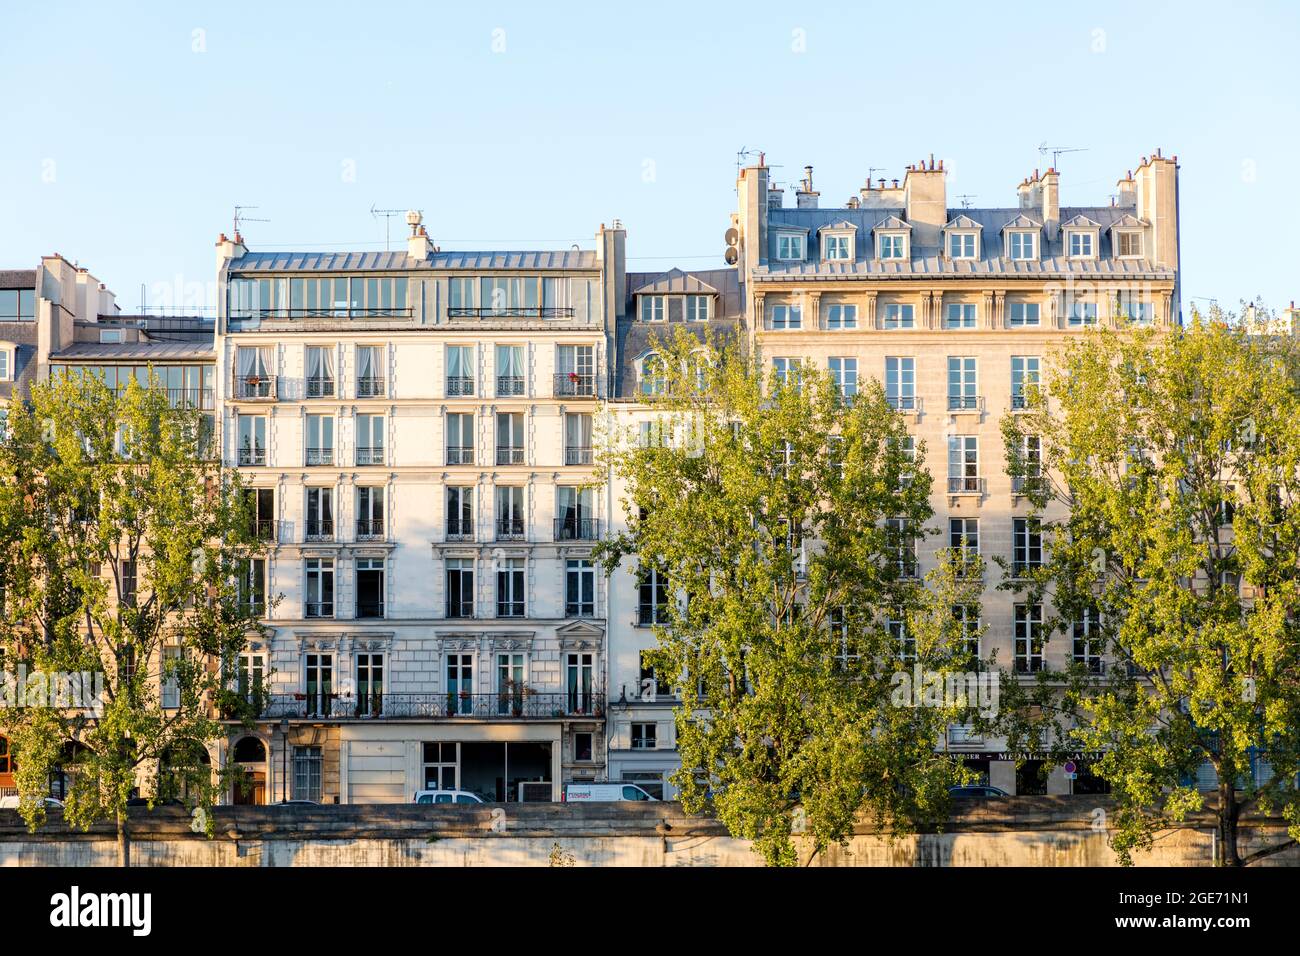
(961, 245)
(697, 308)
(1021, 245)
(789, 245)
(1128, 244)
(892, 246)
(836, 247)
(652, 308)
(110, 336)
(1082, 245)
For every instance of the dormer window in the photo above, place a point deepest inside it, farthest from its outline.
(1082, 245)
(837, 241)
(1022, 245)
(835, 248)
(790, 246)
(697, 308)
(652, 308)
(892, 246)
(961, 245)
(1128, 244)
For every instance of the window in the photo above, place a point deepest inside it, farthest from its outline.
(902, 542)
(1029, 638)
(460, 512)
(17, 305)
(4, 364)
(651, 686)
(961, 245)
(252, 439)
(511, 295)
(460, 686)
(306, 773)
(579, 588)
(370, 439)
(171, 688)
(370, 587)
(1082, 245)
(582, 748)
(652, 308)
(370, 371)
(1134, 309)
(251, 586)
(575, 514)
(1024, 375)
(967, 617)
(1088, 641)
(1026, 545)
(460, 370)
(510, 438)
(903, 640)
(1128, 245)
(789, 246)
(320, 439)
(1031, 462)
(898, 316)
(959, 315)
(460, 295)
(253, 377)
(320, 371)
(510, 370)
(653, 377)
(510, 684)
(575, 370)
(250, 677)
(577, 438)
(460, 587)
(320, 514)
(1023, 314)
(697, 308)
(840, 317)
(837, 248)
(509, 512)
(580, 680)
(1082, 313)
(510, 588)
(318, 676)
(893, 246)
(785, 317)
(128, 581)
(964, 541)
(644, 736)
(370, 685)
(900, 382)
(962, 384)
(320, 588)
(963, 464)
(460, 438)
(787, 370)
(845, 373)
(1022, 245)
(653, 605)
(370, 513)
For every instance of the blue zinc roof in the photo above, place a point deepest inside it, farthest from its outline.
(399, 261)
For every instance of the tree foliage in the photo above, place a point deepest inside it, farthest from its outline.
(120, 549)
(1171, 511)
(782, 519)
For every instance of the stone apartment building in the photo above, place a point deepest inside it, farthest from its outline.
(954, 311)
(416, 429)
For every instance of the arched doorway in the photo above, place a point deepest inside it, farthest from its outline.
(182, 764)
(249, 756)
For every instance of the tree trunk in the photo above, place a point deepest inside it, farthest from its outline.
(1228, 815)
(123, 839)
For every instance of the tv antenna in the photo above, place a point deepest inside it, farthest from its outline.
(388, 215)
(241, 218)
(1056, 151)
(965, 199)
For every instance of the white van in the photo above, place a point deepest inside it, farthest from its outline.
(11, 802)
(603, 792)
(448, 796)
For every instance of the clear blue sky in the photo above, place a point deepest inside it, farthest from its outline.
(128, 136)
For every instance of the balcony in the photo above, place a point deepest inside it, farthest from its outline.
(367, 455)
(460, 454)
(902, 403)
(370, 529)
(575, 385)
(318, 609)
(510, 529)
(649, 614)
(460, 386)
(320, 456)
(510, 386)
(509, 455)
(324, 312)
(1028, 665)
(510, 312)
(965, 485)
(320, 529)
(252, 456)
(460, 529)
(963, 403)
(1091, 664)
(964, 735)
(255, 388)
(266, 529)
(370, 609)
(370, 387)
(577, 529)
(577, 455)
(510, 608)
(1027, 485)
(509, 705)
(320, 388)
(460, 609)
(1019, 401)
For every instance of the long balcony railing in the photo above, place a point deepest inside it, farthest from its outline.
(510, 312)
(507, 705)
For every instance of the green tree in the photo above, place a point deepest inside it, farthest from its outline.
(782, 521)
(121, 548)
(1168, 487)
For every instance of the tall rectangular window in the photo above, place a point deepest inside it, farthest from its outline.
(964, 541)
(1026, 545)
(510, 588)
(370, 439)
(511, 689)
(320, 588)
(1086, 631)
(845, 373)
(252, 439)
(320, 371)
(575, 370)
(252, 586)
(580, 682)
(579, 588)
(460, 438)
(460, 512)
(318, 684)
(577, 438)
(653, 604)
(320, 514)
(902, 543)
(320, 439)
(370, 587)
(1029, 638)
(900, 382)
(307, 773)
(460, 685)
(510, 370)
(576, 514)
(460, 370)
(1024, 377)
(370, 512)
(370, 685)
(509, 512)
(963, 464)
(963, 383)
(460, 587)
(510, 438)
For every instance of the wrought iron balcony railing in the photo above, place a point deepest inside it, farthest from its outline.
(370, 387)
(320, 387)
(510, 704)
(251, 387)
(575, 385)
(577, 529)
(510, 312)
(370, 528)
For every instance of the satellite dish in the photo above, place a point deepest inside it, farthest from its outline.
(731, 255)
(732, 236)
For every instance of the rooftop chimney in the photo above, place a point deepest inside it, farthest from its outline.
(418, 245)
(926, 203)
(229, 249)
(1126, 191)
(806, 197)
(775, 196)
(1051, 196)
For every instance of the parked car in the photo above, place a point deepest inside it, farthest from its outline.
(604, 793)
(10, 802)
(450, 796)
(977, 790)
